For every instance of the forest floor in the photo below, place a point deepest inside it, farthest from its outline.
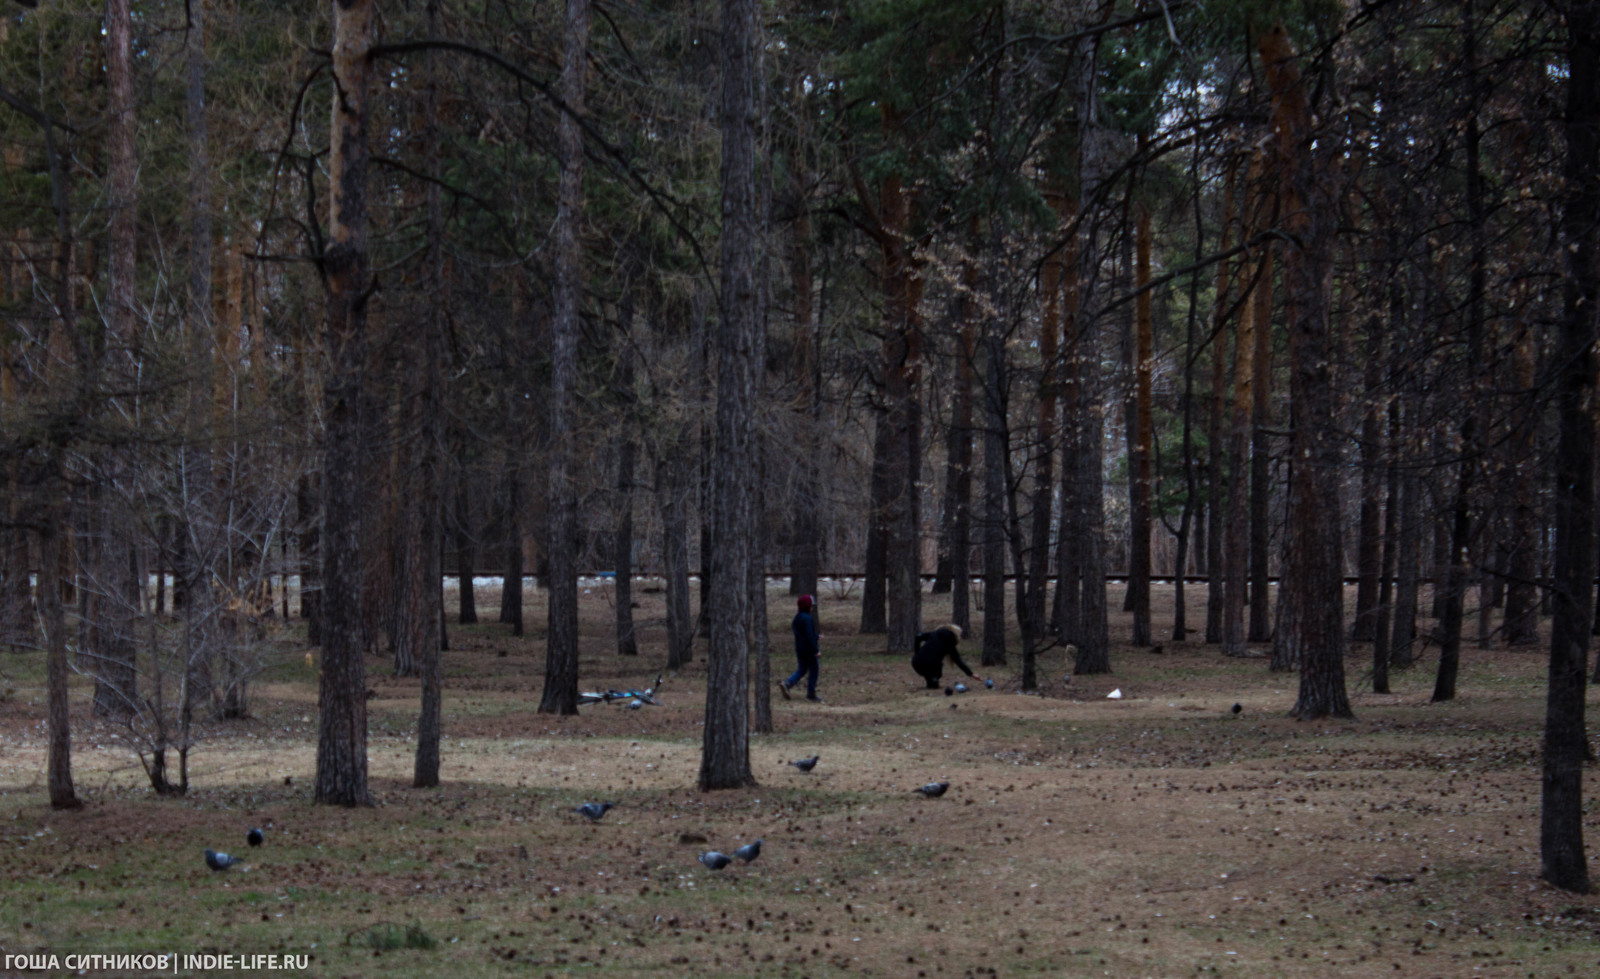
(1155, 835)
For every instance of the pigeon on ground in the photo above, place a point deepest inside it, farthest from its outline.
(949, 691)
(715, 860)
(220, 861)
(989, 684)
(961, 688)
(255, 837)
(749, 851)
(593, 811)
(806, 764)
(933, 790)
(1237, 708)
(635, 704)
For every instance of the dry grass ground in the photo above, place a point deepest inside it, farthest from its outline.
(1156, 835)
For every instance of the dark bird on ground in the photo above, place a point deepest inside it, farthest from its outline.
(949, 691)
(988, 684)
(220, 861)
(715, 860)
(593, 811)
(806, 764)
(1237, 708)
(933, 790)
(961, 688)
(255, 837)
(749, 851)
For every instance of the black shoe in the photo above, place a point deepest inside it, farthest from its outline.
(813, 698)
(783, 688)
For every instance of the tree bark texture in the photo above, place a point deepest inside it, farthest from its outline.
(725, 753)
(672, 488)
(994, 494)
(427, 596)
(561, 654)
(1260, 627)
(1369, 548)
(58, 771)
(805, 549)
(1561, 849)
(342, 734)
(1236, 548)
(1216, 475)
(1094, 654)
(1139, 521)
(1314, 574)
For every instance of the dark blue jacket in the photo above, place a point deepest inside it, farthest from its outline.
(805, 635)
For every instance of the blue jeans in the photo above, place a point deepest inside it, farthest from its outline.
(809, 667)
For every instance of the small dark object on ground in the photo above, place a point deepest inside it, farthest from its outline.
(715, 860)
(933, 790)
(220, 861)
(749, 851)
(1237, 708)
(255, 837)
(806, 764)
(594, 811)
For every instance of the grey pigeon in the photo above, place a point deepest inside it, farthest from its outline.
(961, 688)
(635, 704)
(593, 811)
(255, 837)
(933, 790)
(989, 684)
(749, 851)
(220, 861)
(806, 764)
(715, 860)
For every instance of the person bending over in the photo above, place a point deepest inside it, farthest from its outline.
(933, 648)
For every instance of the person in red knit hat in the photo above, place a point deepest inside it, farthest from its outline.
(806, 653)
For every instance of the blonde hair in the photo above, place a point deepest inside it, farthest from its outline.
(955, 629)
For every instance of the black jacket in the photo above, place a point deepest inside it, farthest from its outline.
(933, 648)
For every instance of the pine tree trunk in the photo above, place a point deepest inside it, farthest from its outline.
(561, 653)
(1066, 606)
(958, 483)
(1369, 560)
(1381, 647)
(875, 569)
(805, 551)
(1260, 629)
(113, 550)
(59, 757)
(1139, 460)
(994, 491)
(1216, 476)
(511, 611)
(1094, 654)
(1314, 576)
(627, 644)
(671, 489)
(427, 592)
(1236, 550)
(308, 493)
(1520, 623)
(725, 753)
(1561, 850)
(466, 539)
(342, 734)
